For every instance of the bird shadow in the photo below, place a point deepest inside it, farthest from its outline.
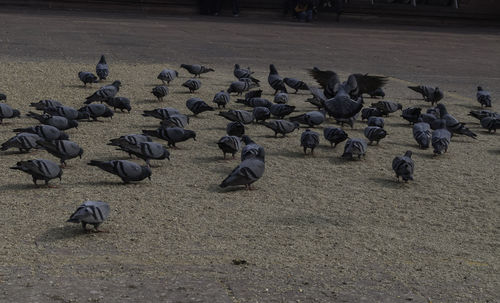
(79, 86)
(62, 233)
(389, 182)
(469, 106)
(414, 146)
(17, 152)
(21, 186)
(147, 101)
(494, 151)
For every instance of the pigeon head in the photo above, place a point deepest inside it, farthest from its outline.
(81, 213)
(108, 113)
(442, 109)
(73, 123)
(3, 97)
(408, 153)
(273, 69)
(236, 66)
(80, 153)
(438, 94)
(184, 65)
(400, 106)
(210, 70)
(16, 113)
(479, 88)
(297, 125)
(63, 136)
(246, 139)
(146, 170)
(190, 134)
(102, 60)
(116, 83)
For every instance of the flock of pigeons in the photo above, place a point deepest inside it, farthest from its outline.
(343, 101)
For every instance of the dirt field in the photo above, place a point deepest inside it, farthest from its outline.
(317, 229)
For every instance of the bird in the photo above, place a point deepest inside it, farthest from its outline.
(87, 77)
(90, 212)
(197, 106)
(281, 126)
(121, 103)
(241, 86)
(281, 98)
(241, 116)
(42, 104)
(175, 120)
(275, 80)
(295, 84)
(491, 123)
(64, 111)
(354, 147)
(172, 135)
(105, 92)
(411, 114)
(403, 166)
(379, 92)
(430, 94)
(422, 134)
(318, 97)
(196, 69)
(370, 112)
(253, 94)
(7, 112)
(349, 121)
(242, 73)
(167, 75)
(375, 121)
(22, 141)
(281, 110)
(480, 114)
(309, 139)
(94, 111)
(229, 145)
(46, 132)
(59, 122)
(62, 149)
(374, 133)
(342, 106)
(387, 107)
(255, 102)
(128, 171)
(102, 69)
(247, 172)
(40, 169)
(251, 149)
(129, 139)
(334, 135)
(483, 97)
(221, 99)
(312, 119)
(146, 151)
(441, 138)
(161, 113)
(453, 124)
(160, 92)
(192, 84)
(3, 97)
(235, 128)
(261, 113)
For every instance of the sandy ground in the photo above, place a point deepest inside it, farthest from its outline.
(317, 229)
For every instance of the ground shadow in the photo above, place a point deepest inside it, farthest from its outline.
(389, 182)
(62, 233)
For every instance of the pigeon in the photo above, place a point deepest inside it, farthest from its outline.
(253, 94)
(241, 86)
(197, 106)
(251, 149)
(453, 124)
(281, 98)
(42, 104)
(242, 73)
(411, 114)
(235, 129)
(172, 135)
(102, 69)
(295, 84)
(95, 111)
(281, 110)
(192, 85)
(387, 107)
(146, 150)
(275, 80)
(427, 118)
(318, 98)
(422, 134)
(104, 93)
(281, 127)
(229, 145)
(247, 172)
(3, 97)
(404, 166)
(309, 139)
(46, 132)
(261, 113)
(90, 212)
(483, 97)
(62, 149)
(480, 114)
(370, 112)
(23, 141)
(167, 75)
(433, 111)
(176, 120)
(491, 123)
(40, 169)
(87, 77)
(59, 122)
(121, 103)
(379, 92)
(349, 121)
(374, 133)
(126, 170)
(160, 92)
(133, 139)
(7, 112)
(433, 95)
(441, 138)
(241, 116)
(196, 69)
(64, 111)
(334, 135)
(312, 119)
(342, 106)
(254, 102)
(375, 121)
(221, 99)
(354, 147)
(161, 113)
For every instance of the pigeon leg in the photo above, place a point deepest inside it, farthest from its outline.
(84, 225)
(97, 230)
(312, 151)
(48, 185)
(34, 181)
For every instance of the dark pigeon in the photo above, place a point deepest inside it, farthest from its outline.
(374, 133)
(375, 121)
(354, 147)
(261, 113)
(87, 77)
(422, 134)
(241, 116)
(441, 138)
(251, 149)
(167, 75)
(126, 170)
(281, 98)
(235, 128)
(387, 107)
(94, 111)
(255, 102)
(64, 111)
(403, 166)
(379, 92)
(176, 120)
(281, 126)
(121, 103)
(309, 139)
(161, 113)
(192, 84)
(40, 169)
(46, 132)
(411, 114)
(23, 141)
(126, 140)
(244, 73)
(104, 93)
(102, 69)
(241, 86)
(3, 97)
(90, 212)
(160, 92)
(146, 151)
(172, 135)
(296, 84)
(42, 104)
(253, 94)
(62, 149)
(196, 70)
(59, 122)
(453, 124)
(370, 112)
(491, 123)
(197, 106)
(229, 145)
(483, 97)
(7, 112)
(430, 94)
(334, 135)
(275, 80)
(480, 114)
(342, 106)
(247, 172)
(281, 110)
(221, 99)
(311, 119)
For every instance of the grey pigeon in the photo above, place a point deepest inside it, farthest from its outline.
(7, 112)
(221, 99)
(167, 75)
(453, 124)
(94, 111)
(334, 135)
(133, 139)
(318, 97)
(441, 138)
(196, 69)
(480, 114)
(146, 151)
(90, 212)
(46, 132)
(42, 104)
(121, 103)
(40, 169)
(430, 94)
(161, 113)
(427, 118)
(379, 92)
(62, 149)
(64, 111)
(241, 116)
(241, 86)
(251, 149)
(491, 123)
(255, 102)
(281, 126)
(23, 141)
(387, 107)
(349, 121)
(375, 133)
(403, 166)
(247, 172)
(354, 147)
(275, 80)
(483, 97)
(160, 92)
(422, 134)
(102, 69)
(3, 97)
(176, 120)
(192, 84)
(235, 128)
(309, 139)
(172, 135)
(197, 106)
(261, 113)
(104, 93)
(242, 73)
(411, 114)
(126, 170)
(281, 98)
(375, 121)
(312, 119)
(87, 77)
(434, 111)
(59, 122)
(295, 84)
(370, 112)
(253, 94)
(342, 106)
(281, 110)
(229, 145)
